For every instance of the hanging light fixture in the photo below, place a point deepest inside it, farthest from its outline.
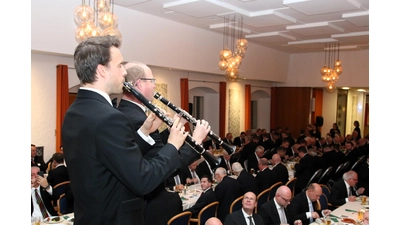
(96, 21)
(232, 51)
(332, 68)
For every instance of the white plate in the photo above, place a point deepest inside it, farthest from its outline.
(50, 220)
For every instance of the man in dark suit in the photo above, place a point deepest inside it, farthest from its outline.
(60, 172)
(363, 176)
(190, 174)
(252, 160)
(135, 111)
(226, 162)
(40, 185)
(304, 169)
(246, 214)
(210, 144)
(36, 160)
(206, 197)
(303, 205)
(280, 169)
(246, 180)
(228, 139)
(102, 149)
(344, 190)
(239, 140)
(227, 190)
(266, 177)
(248, 148)
(351, 153)
(275, 212)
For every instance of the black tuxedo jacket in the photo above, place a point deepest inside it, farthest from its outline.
(204, 199)
(247, 150)
(247, 183)
(237, 218)
(352, 156)
(226, 192)
(39, 162)
(238, 141)
(304, 171)
(252, 162)
(58, 175)
(363, 177)
(223, 163)
(299, 206)
(207, 144)
(108, 174)
(46, 198)
(266, 179)
(282, 172)
(339, 193)
(270, 215)
(268, 144)
(163, 207)
(332, 158)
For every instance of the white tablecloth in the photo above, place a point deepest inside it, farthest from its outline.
(349, 210)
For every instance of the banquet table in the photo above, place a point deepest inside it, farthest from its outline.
(64, 217)
(347, 210)
(190, 198)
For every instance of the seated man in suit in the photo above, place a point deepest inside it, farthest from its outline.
(37, 160)
(206, 197)
(275, 212)
(60, 173)
(41, 195)
(227, 190)
(303, 205)
(304, 169)
(228, 139)
(363, 176)
(210, 144)
(343, 190)
(246, 180)
(280, 169)
(252, 160)
(190, 174)
(239, 140)
(266, 177)
(246, 215)
(226, 162)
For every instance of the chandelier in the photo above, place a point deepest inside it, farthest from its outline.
(332, 68)
(97, 21)
(233, 51)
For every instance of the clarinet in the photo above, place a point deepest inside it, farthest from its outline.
(229, 148)
(214, 161)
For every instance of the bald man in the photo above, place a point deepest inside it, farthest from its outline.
(275, 212)
(213, 221)
(303, 205)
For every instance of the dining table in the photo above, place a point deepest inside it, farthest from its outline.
(347, 210)
(64, 220)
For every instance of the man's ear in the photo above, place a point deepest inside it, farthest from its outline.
(100, 70)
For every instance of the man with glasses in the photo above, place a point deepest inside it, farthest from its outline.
(344, 190)
(275, 212)
(246, 215)
(141, 77)
(304, 205)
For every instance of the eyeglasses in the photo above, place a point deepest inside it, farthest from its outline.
(153, 80)
(286, 200)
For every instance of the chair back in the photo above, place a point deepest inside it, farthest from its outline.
(182, 218)
(62, 205)
(274, 187)
(323, 200)
(207, 212)
(61, 188)
(262, 198)
(357, 163)
(236, 204)
(325, 176)
(291, 184)
(314, 178)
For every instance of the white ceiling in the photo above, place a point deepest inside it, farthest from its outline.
(292, 26)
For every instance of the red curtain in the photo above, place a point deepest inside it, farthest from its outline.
(247, 107)
(62, 102)
(185, 97)
(222, 108)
